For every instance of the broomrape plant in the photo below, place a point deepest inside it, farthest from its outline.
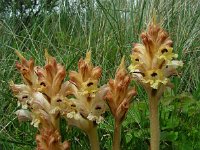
(88, 99)
(41, 99)
(153, 62)
(45, 97)
(119, 99)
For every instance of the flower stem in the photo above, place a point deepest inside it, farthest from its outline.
(154, 123)
(117, 136)
(56, 123)
(93, 138)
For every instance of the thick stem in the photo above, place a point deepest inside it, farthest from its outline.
(93, 138)
(56, 123)
(117, 136)
(154, 123)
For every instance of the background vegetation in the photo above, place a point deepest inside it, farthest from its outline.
(68, 28)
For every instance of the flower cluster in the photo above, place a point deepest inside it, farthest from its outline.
(45, 97)
(119, 94)
(153, 62)
(87, 95)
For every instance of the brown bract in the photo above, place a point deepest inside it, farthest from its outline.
(51, 77)
(86, 79)
(26, 68)
(154, 39)
(119, 94)
(50, 140)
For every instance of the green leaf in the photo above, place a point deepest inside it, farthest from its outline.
(169, 136)
(128, 137)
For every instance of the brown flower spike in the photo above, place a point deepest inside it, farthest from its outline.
(88, 99)
(153, 63)
(119, 95)
(118, 98)
(50, 140)
(43, 100)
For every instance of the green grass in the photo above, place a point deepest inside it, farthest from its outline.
(107, 28)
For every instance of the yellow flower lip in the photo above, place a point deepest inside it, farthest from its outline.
(166, 53)
(89, 87)
(155, 78)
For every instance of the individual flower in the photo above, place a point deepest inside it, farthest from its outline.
(27, 70)
(23, 115)
(154, 77)
(22, 92)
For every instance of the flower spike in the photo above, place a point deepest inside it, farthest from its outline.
(88, 99)
(152, 63)
(119, 95)
(118, 98)
(43, 99)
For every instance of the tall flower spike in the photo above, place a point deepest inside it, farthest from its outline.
(88, 99)
(119, 94)
(119, 98)
(153, 62)
(43, 100)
